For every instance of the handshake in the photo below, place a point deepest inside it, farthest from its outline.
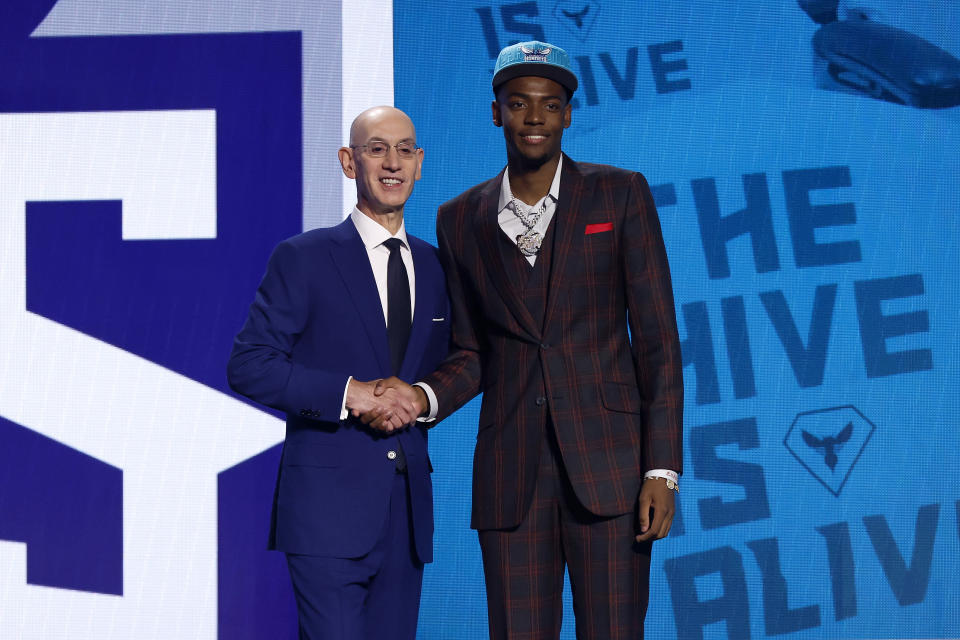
(386, 405)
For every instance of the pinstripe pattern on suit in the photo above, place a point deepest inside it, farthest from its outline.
(524, 566)
(615, 400)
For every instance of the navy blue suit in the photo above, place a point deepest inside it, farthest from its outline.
(316, 320)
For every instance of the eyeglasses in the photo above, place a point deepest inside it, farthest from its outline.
(378, 149)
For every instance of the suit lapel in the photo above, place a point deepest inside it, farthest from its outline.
(350, 258)
(565, 221)
(422, 314)
(487, 229)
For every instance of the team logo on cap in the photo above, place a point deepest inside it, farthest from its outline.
(535, 54)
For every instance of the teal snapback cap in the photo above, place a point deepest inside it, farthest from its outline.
(534, 58)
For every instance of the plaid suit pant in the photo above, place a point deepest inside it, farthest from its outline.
(524, 566)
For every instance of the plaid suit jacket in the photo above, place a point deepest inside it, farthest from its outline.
(615, 398)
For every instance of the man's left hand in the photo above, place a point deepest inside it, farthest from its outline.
(657, 497)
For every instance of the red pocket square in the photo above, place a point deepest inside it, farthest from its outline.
(598, 228)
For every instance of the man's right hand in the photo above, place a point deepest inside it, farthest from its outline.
(388, 411)
(412, 397)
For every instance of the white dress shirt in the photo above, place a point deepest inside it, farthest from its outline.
(508, 220)
(373, 235)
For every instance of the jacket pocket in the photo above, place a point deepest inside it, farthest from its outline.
(624, 398)
(312, 456)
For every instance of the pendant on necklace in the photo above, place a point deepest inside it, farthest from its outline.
(529, 242)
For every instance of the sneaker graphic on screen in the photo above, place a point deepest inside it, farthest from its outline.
(855, 52)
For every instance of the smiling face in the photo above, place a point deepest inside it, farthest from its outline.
(533, 112)
(383, 184)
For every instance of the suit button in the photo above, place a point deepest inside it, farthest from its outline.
(544, 345)
(541, 401)
(392, 454)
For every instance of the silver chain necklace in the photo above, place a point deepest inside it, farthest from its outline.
(529, 241)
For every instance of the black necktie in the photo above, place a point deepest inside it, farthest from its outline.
(398, 304)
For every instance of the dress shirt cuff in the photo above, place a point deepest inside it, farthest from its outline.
(666, 474)
(343, 405)
(432, 399)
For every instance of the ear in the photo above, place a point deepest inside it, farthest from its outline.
(346, 162)
(567, 112)
(416, 176)
(495, 108)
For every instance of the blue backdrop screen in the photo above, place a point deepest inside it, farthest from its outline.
(811, 222)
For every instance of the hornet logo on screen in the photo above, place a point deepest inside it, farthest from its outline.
(577, 16)
(828, 443)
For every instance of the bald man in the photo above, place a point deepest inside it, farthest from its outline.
(363, 300)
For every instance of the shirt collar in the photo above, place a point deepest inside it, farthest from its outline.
(506, 196)
(372, 233)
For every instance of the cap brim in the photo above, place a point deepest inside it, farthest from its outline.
(557, 74)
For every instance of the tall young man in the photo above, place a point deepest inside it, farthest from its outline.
(563, 317)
